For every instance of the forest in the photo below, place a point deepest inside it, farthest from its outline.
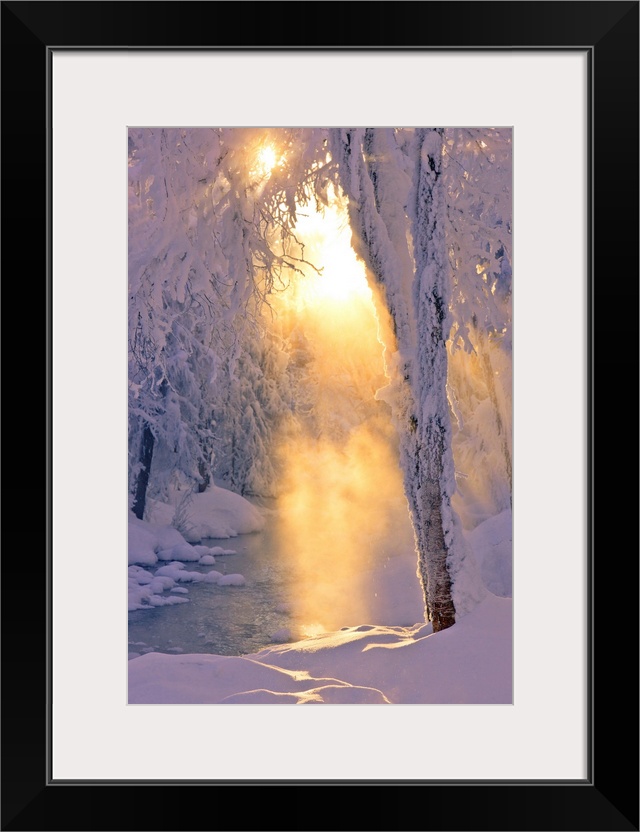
(320, 330)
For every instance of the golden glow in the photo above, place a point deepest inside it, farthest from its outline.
(327, 240)
(483, 376)
(266, 159)
(310, 630)
(341, 484)
(337, 511)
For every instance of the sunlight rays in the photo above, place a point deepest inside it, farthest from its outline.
(341, 482)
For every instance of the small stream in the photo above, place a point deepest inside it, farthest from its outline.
(226, 620)
(239, 620)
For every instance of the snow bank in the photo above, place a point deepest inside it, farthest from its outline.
(181, 551)
(220, 513)
(492, 544)
(216, 513)
(150, 543)
(176, 572)
(145, 589)
(469, 663)
(146, 540)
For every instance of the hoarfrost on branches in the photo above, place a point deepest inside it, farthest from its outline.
(215, 375)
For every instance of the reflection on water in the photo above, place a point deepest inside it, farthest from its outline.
(235, 621)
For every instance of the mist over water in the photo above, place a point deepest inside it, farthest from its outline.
(341, 500)
(342, 511)
(337, 549)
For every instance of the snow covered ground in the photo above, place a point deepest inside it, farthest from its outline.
(470, 663)
(216, 513)
(370, 663)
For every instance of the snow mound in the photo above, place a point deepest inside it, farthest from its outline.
(220, 513)
(216, 513)
(469, 663)
(141, 576)
(160, 601)
(492, 545)
(203, 678)
(231, 580)
(181, 551)
(142, 542)
(149, 542)
(143, 586)
(218, 578)
(161, 583)
(184, 576)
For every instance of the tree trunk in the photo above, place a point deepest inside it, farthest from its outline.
(372, 176)
(433, 556)
(203, 470)
(142, 481)
(434, 470)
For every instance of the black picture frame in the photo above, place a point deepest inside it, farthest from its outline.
(608, 798)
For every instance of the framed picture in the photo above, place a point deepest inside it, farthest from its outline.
(564, 76)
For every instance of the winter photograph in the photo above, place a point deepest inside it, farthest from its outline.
(320, 415)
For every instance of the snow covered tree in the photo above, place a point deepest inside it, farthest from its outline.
(253, 402)
(212, 237)
(211, 213)
(398, 201)
(478, 180)
(172, 286)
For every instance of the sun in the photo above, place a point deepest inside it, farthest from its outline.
(266, 160)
